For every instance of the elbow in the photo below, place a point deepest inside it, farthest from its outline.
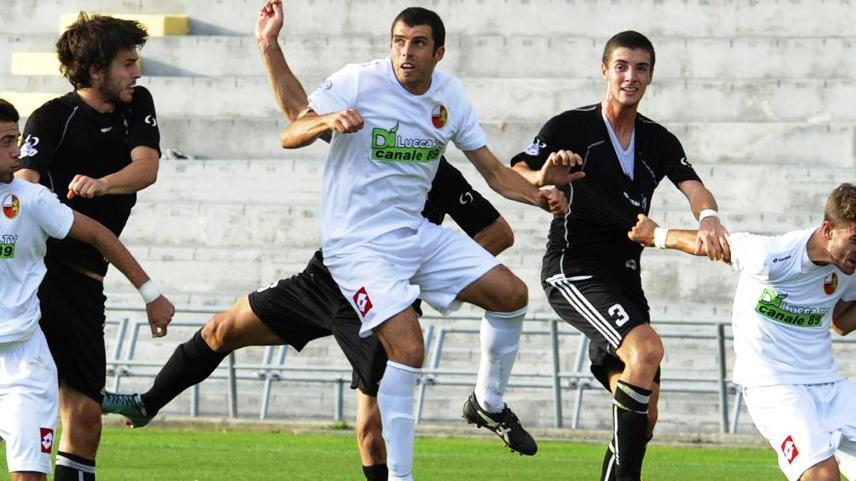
(287, 140)
(506, 239)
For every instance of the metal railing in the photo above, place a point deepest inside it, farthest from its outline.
(273, 368)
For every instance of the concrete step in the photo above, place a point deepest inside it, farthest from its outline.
(157, 24)
(507, 100)
(317, 56)
(43, 16)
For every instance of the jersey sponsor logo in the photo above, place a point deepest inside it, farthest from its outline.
(466, 198)
(11, 206)
(362, 301)
(47, 437)
(7, 246)
(772, 306)
(830, 284)
(388, 146)
(28, 148)
(151, 120)
(789, 449)
(535, 147)
(781, 259)
(439, 116)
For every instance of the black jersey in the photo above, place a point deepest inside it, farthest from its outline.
(451, 194)
(65, 137)
(605, 203)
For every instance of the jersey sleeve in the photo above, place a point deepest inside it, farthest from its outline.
(41, 136)
(545, 143)
(337, 93)
(453, 195)
(54, 217)
(748, 253)
(674, 161)
(143, 130)
(469, 135)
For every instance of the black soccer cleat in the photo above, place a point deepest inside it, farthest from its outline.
(128, 405)
(504, 423)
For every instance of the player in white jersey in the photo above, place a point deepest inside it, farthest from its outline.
(793, 289)
(28, 377)
(391, 120)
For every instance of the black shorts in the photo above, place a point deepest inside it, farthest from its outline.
(604, 309)
(309, 306)
(72, 306)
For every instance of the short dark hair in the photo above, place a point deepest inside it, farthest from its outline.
(93, 41)
(8, 113)
(841, 206)
(628, 39)
(413, 16)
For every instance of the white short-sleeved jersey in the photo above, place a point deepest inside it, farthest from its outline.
(782, 311)
(376, 180)
(31, 214)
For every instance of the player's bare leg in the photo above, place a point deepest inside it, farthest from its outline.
(28, 476)
(81, 432)
(826, 470)
(370, 438)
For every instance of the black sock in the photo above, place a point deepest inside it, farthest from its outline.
(376, 472)
(191, 363)
(630, 408)
(607, 471)
(70, 467)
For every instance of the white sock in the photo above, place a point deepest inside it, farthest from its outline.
(500, 340)
(395, 400)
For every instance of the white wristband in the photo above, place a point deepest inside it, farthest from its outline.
(705, 213)
(149, 291)
(660, 237)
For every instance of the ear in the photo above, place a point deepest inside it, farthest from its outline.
(826, 230)
(439, 53)
(95, 74)
(603, 68)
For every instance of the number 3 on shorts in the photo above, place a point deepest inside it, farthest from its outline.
(619, 314)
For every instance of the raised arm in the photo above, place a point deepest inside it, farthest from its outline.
(712, 237)
(158, 309)
(646, 233)
(511, 185)
(287, 90)
(844, 317)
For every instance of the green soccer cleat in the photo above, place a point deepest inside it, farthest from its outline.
(129, 405)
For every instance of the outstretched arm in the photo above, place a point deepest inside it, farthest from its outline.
(648, 233)
(712, 237)
(561, 168)
(309, 126)
(159, 309)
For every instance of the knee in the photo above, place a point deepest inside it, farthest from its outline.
(407, 351)
(219, 331)
(518, 298)
(826, 470)
(647, 355)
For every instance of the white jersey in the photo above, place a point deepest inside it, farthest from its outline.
(377, 180)
(31, 214)
(782, 311)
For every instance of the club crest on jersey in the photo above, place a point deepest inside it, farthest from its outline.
(11, 206)
(830, 284)
(47, 437)
(362, 301)
(439, 115)
(789, 449)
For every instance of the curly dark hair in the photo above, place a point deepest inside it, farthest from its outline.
(841, 206)
(8, 113)
(93, 41)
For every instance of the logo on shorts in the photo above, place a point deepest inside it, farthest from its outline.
(11, 206)
(439, 115)
(363, 302)
(789, 449)
(47, 439)
(830, 284)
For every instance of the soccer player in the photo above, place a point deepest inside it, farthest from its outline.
(591, 271)
(793, 288)
(95, 147)
(28, 376)
(391, 120)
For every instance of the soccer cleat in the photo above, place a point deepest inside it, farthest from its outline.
(505, 424)
(128, 405)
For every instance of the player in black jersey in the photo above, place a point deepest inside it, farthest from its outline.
(591, 268)
(95, 147)
(310, 305)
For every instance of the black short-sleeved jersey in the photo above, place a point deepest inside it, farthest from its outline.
(65, 137)
(451, 194)
(605, 203)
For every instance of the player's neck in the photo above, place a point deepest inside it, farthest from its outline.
(621, 117)
(95, 100)
(817, 251)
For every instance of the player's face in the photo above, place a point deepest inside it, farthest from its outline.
(842, 248)
(628, 73)
(116, 85)
(413, 56)
(9, 150)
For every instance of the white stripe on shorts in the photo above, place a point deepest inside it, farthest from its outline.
(576, 299)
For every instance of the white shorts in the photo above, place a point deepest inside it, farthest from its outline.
(384, 277)
(805, 423)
